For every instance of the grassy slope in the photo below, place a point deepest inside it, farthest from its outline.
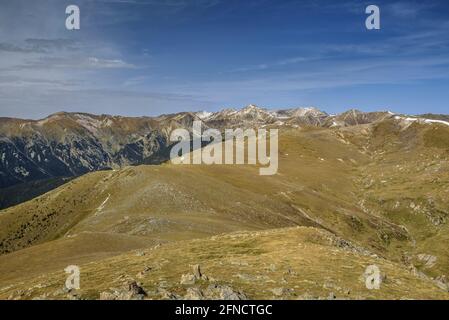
(407, 182)
(307, 263)
(58, 254)
(325, 180)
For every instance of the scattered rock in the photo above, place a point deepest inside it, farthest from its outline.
(73, 296)
(214, 292)
(197, 271)
(66, 290)
(140, 253)
(223, 292)
(332, 296)
(290, 272)
(428, 260)
(167, 295)
(17, 295)
(107, 296)
(133, 291)
(59, 292)
(442, 282)
(188, 279)
(307, 296)
(143, 273)
(279, 292)
(194, 294)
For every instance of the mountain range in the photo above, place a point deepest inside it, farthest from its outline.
(72, 144)
(353, 190)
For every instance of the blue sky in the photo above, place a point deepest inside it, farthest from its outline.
(149, 57)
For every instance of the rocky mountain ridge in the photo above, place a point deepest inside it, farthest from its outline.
(71, 144)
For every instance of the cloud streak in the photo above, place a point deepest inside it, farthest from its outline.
(136, 56)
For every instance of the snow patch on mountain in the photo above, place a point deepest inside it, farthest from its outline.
(437, 121)
(99, 210)
(203, 115)
(22, 171)
(421, 120)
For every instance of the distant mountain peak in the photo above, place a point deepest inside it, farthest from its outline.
(251, 107)
(204, 114)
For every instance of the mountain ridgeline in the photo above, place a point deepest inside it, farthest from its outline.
(72, 144)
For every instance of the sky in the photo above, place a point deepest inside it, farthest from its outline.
(151, 57)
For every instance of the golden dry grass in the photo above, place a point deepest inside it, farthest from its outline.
(381, 187)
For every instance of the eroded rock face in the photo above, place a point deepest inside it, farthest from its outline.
(71, 144)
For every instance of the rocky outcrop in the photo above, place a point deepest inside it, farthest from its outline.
(132, 291)
(214, 292)
(67, 145)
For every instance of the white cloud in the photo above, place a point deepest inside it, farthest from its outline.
(107, 63)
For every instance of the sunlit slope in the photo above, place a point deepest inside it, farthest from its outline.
(288, 263)
(407, 182)
(58, 254)
(182, 202)
(347, 181)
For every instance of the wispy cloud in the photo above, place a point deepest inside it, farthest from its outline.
(166, 3)
(135, 81)
(177, 54)
(105, 63)
(274, 64)
(39, 46)
(408, 9)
